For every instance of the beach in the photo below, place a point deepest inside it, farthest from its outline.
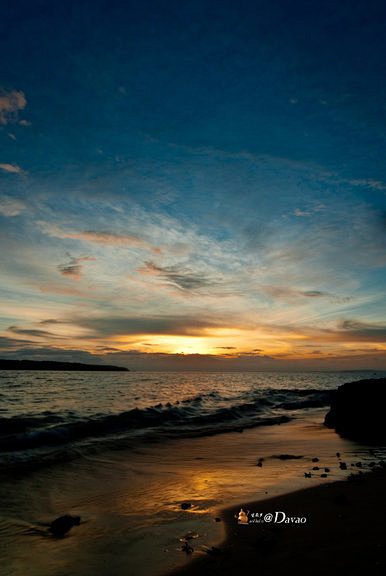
(153, 500)
(343, 532)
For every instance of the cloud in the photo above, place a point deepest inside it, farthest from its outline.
(10, 103)
(11, 168)
(32, 332)
(183, 325)
(315, 294)
(368, 183)
(290, 293)
(362, 331)
(73, 268)
(51, 288)
(311, 210)
(181, 278)
(11, 206)
(101, 238)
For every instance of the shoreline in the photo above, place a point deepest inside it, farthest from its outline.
(344, 531)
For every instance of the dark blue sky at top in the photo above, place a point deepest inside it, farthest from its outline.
(219, 74)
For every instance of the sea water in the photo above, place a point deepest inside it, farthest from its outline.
(47, 414)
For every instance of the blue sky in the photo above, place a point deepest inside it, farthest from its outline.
(193, 183)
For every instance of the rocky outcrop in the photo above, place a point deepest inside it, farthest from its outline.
(358, 410)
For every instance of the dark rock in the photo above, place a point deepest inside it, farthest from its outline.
(259, 464)
(357, 410)
(307, 474)
(287, 457)
(338, 454)
(187, 548)
(326, 469)
(358, 464)
(315, 460)
(186, 505)
(218, 519)
(343, 465)
(323, 475)
(62, 525)
(316, 468)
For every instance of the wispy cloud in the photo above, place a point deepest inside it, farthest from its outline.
(362, 331)
(11, 206)
(291, 293)
(52, 288)
(10, 103)
(177, 276)
(11, 168)
(101, 238)
(183, 325)
(31, 332)
(368, 183)
(74, 268)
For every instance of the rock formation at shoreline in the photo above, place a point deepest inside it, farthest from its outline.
(358, 410)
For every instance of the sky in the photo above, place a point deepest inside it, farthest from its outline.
(194, 185)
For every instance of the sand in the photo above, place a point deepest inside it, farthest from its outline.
(344, 533)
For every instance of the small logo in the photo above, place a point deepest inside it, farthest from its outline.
(242, 517)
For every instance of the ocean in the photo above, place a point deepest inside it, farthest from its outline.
(49, 415)
(127, 451)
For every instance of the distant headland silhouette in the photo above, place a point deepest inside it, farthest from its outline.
(51, 365)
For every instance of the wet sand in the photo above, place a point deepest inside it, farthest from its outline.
(344, 533)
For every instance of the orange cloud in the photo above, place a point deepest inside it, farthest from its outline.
(10, 103)
(101, 238)
(11, 168)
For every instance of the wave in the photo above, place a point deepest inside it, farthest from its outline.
(203, 414)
